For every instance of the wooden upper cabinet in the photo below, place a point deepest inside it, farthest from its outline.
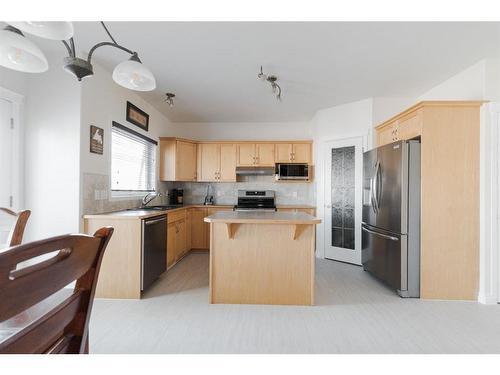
(216, 162)
(388, 134)
(255, 155)
(185, 161)
(245, 155)
(407, 126)
(208, 161)
(410, 126)
(293, 153)
(227, 164)
(301, 153)
(177, 160)
(264, 153)
(283, 152)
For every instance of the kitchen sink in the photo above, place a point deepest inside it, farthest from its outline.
(155, 208)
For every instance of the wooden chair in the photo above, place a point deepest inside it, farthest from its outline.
(20, 219)
(63, 328)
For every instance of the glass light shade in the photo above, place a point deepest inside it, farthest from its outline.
(134, 76)
(19, 53)
(49, 30)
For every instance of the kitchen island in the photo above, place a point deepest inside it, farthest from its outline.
(262, 257)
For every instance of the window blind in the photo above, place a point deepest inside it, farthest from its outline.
(133, 160)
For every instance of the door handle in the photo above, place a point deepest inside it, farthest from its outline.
(376, 187)
(386, 236)
(151, 222)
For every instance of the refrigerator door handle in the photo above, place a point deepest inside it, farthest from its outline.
(386, 236)
(375, 189)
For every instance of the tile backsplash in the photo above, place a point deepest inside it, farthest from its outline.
(227, 192)
(96, 192)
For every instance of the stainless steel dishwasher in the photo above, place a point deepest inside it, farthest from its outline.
(153, 249)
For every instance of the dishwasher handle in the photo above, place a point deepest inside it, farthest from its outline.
(151, 222)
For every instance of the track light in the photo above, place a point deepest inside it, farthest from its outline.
(272, 80)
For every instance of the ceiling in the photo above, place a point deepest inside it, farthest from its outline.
(212, 66)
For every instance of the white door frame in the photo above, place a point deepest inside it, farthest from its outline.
(344, 255)
(17, 101)
(489, 259)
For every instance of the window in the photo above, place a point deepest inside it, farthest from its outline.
(133, 161)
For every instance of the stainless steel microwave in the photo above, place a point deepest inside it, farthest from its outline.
(292, 172)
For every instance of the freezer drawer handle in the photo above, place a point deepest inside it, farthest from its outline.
(392, 238)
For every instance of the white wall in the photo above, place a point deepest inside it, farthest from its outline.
(52, 157)
(14, 81)
(102, 102)
(245, 130)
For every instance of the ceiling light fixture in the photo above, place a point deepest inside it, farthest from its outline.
(272, 80)
(17, 52)
(170, 99)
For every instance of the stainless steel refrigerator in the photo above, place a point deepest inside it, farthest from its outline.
(390, 240)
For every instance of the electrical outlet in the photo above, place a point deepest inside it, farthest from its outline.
(294, 194)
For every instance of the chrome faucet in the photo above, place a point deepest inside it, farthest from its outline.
(149, 197)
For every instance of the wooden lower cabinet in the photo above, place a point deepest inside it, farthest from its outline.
(177, 243)
(198, 228)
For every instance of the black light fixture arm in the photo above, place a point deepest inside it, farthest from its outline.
(112, 44)
(82, 68)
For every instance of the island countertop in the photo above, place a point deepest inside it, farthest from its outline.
(240, 217)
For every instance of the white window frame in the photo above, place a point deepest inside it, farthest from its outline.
(117, 195)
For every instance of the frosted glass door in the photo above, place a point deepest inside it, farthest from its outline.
(343, 179)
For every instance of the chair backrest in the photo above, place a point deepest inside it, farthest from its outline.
(64, 328)
(17, 222)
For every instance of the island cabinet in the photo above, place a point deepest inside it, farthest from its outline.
(255, 155)
(449, 250)
(306, 210)
(216, 162)
(293, 153)
(262, 258)
(177, 159)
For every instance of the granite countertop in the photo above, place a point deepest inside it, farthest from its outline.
(144, 214)
(247, 217)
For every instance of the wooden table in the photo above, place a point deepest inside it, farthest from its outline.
(262, 258)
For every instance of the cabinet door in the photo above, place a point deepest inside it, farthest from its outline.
(283, 153)
(227, 171)
(209, 161)
(386, 134)
(171, 234)
(188, 229)
(246, 155)
(410, 127)
(198, 228)
(301, 153)
(180, 239)
(185, 161)
(265, 154)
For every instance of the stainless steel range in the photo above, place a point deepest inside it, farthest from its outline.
(252, 200)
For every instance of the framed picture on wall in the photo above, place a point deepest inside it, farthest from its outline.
(137, 116)
(96, 140)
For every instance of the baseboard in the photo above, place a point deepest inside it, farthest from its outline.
(487, 299)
